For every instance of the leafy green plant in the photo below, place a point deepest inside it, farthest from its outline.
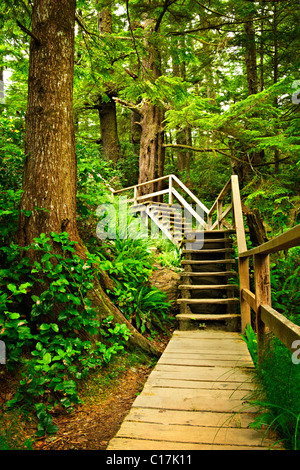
(250, 339)
(51, 344)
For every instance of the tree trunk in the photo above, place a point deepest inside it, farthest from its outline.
(109, 131)
(250, 56)
(152, 152)
(107, 109)
(49, 181)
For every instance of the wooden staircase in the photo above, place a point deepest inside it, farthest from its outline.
(209, 294)
(207, 291)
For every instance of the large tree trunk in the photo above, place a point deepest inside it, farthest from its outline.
(49, 181)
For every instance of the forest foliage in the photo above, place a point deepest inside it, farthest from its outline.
(224, 76)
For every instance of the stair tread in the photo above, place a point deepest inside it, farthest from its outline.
(216, 250)
(215, 231)
(208, 287)
(210, 273)
(206, 240)
(208, 261)
(208, 301)
(206, 316)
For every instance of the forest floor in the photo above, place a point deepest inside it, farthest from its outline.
(107, 398)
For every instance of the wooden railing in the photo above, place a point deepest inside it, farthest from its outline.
(268, 319)
(172, 193)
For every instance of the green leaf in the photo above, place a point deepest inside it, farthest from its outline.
(47, 358)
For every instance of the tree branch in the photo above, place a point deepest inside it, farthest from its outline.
(128, 105)
(26, 31)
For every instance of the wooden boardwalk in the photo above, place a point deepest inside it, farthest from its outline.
(196, 398)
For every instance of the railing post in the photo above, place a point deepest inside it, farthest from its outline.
(244, 284)
(170, 190)
(135, 195)
(262, 295)
(242, 246)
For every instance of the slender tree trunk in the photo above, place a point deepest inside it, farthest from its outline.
(250, 56)
(109, 130)
(107, 109)
(252, 79)
(275, 74)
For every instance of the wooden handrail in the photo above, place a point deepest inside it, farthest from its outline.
(267, 318)
(286, 240)
(195, 199)
(139, 185)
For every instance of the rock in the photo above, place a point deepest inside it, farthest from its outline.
(166, 280)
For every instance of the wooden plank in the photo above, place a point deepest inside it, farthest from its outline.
(189, 208)
(197, 384)
(249, 297)
(201, 399)
(192, 361)
(212, 344)
(262, 282)
(207, 355)
(238, 214)
(188, 406)
(209, 261)
(208, 286)
(196, 200)
(208, 301)
(191, 418)
(142, 444)
(206, 374)
(204, 354)
(286, 331)
(195, 434)
(221, 196)
(208, 274)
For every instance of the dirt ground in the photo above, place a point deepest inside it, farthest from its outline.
(91, 425)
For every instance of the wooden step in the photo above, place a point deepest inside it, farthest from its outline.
(207, 301)
(206, 240)
(217, 250)
(218, 232)
(207, 316)
(208, 287)
(199, 274)
(208, 261)
(225, 321)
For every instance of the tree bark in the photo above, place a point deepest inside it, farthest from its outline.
(49, 180)
(107, 109)
(152, 152)
(109, 130)
(250, 56)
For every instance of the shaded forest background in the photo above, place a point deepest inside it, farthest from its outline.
(200, 89)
